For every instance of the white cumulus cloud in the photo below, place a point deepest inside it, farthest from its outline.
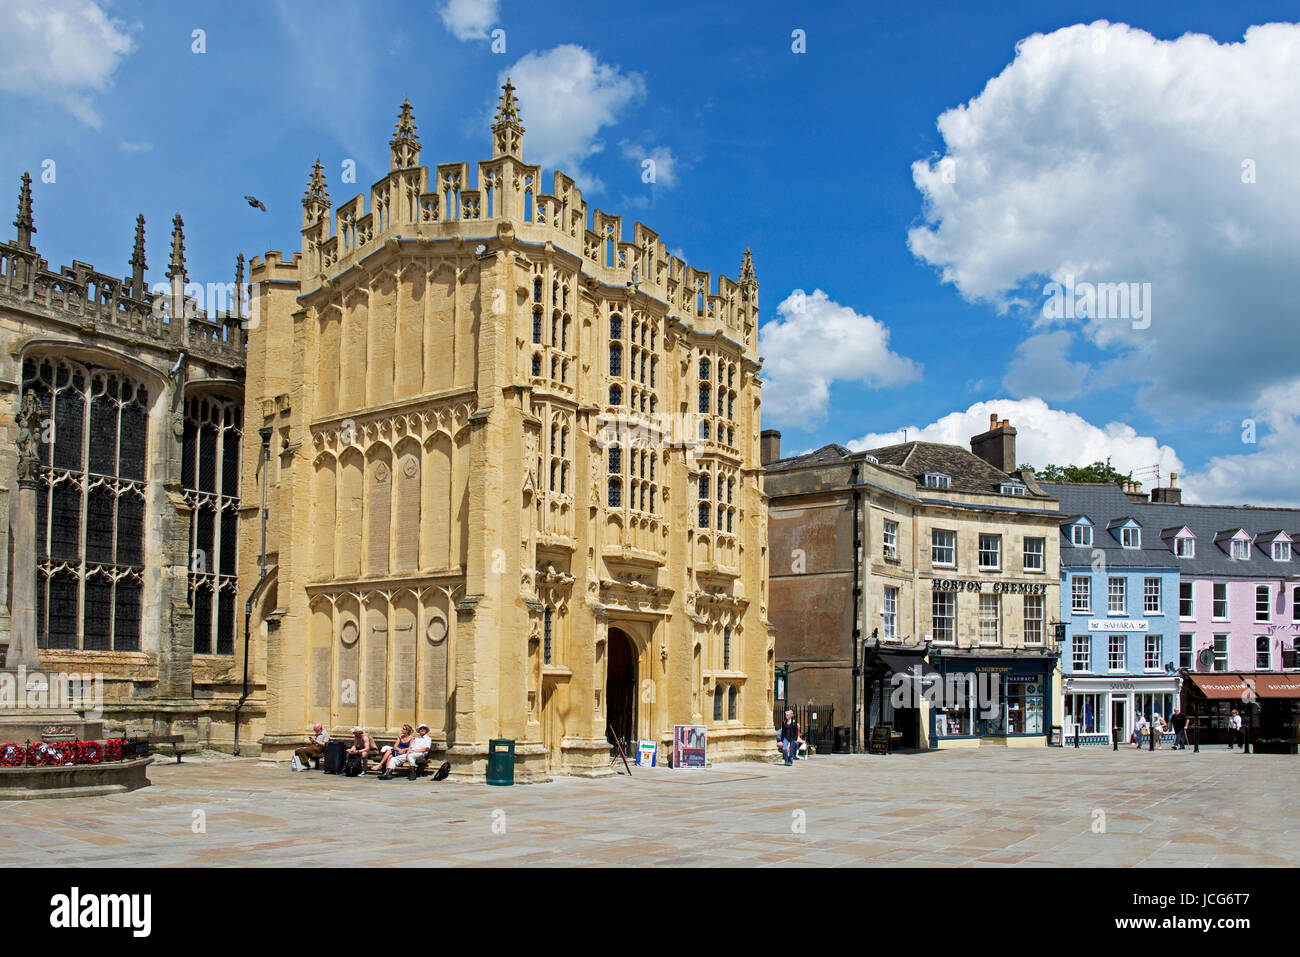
(1105, 154)
(566, 96)
(1044, 436)
(468, 19)
(814, 342)
(64, 50)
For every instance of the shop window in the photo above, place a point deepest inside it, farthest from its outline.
(1024, 706)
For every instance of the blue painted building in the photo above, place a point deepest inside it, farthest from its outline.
(1119, 603)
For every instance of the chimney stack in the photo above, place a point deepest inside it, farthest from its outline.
(997, 446)
(769, 446)
(1172, 495)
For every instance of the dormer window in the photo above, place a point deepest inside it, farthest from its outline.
(937, 480)
(1281, 551)
(1081, 535)
(1185, 547)
(1013, 488)
(1240, 548)
(1130, 536)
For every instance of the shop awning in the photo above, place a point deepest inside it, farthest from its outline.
(1276, 686)
(903, 664)
(1246, 687)
(1220, 687)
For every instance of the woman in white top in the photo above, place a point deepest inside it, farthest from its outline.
(1158, 729)
(1140, 730)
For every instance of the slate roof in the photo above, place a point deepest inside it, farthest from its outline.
(1103, 503)
(967, 472)
(827, 453)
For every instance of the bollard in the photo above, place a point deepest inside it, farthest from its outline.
(1114, 739)
(1245, 739)
(1151, 738)
(1076, 735)
(1196, 739)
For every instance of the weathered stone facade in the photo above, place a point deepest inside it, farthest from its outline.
(853, 547)
(108, 533)
(513, 477)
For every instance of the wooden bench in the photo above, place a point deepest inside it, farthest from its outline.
(177, 741)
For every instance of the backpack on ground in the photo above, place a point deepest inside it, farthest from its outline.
(443, 770)
(355, 765)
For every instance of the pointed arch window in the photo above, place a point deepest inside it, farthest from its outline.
(92, 476)
(210, 482)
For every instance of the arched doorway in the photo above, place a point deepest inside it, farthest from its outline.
(620, 688)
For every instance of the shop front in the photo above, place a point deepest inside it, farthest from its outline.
(993, 700)
(1267, 702)
(1096, 707)
(897, 680)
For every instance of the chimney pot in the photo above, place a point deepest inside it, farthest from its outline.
(993, 420)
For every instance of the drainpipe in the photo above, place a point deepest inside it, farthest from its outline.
(265, 433)
(857, 603)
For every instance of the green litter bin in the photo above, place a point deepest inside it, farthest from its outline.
(501, 762)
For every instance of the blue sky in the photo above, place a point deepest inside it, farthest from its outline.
(1107, 152)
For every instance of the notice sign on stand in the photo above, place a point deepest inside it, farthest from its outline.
(645, 754)
(690, 743)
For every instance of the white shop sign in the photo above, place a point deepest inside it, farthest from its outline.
(1117, 624)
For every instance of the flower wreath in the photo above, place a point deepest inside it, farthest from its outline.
(113, 749)
(89, 752)
(12, 755)
(50, 755)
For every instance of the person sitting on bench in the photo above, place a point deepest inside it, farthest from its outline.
(415, 757)
(397, 749)
(315, 748)
(362, 747)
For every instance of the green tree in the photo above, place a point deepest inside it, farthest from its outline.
(1098, 473)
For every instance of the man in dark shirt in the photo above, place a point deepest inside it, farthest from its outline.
(1179, 721)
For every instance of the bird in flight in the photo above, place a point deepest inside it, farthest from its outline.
(256, 203)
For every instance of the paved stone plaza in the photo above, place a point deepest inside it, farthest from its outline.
(993, 807)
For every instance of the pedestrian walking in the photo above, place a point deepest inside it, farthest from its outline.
(1234, 730)
(1158, 729)
(1140, 729)
(1179, 721)
(789, 738)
